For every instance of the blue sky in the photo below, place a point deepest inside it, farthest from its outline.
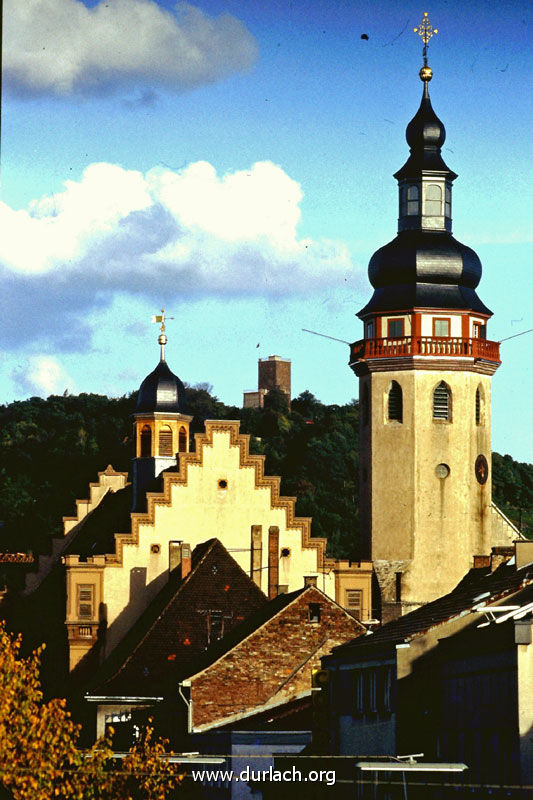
(232, 162)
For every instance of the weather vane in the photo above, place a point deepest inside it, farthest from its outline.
(162, 339)
(425, 30)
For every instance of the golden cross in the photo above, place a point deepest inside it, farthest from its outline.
(425, 29)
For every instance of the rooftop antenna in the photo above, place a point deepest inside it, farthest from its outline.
(162, 339)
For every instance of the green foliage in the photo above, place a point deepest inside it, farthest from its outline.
(512, 489)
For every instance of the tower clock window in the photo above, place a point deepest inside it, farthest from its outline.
(442, 402)
(395, 402)
(146, 441)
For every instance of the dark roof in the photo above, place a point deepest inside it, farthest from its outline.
(95, 535)
(425, 136)
(505, 580)
(165, 644)
(426, 269)
(162, 391)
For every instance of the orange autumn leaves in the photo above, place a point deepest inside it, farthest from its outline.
(39, 757)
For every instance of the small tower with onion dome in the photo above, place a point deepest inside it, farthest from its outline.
(424, 367)
(160, 428)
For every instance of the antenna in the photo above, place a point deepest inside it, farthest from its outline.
(325, 336)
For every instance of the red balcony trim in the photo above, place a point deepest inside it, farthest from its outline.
(449, 346)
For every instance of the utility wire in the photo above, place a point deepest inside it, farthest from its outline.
(515, 335)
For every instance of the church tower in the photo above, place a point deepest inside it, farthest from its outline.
(424, 367)
(160, 428)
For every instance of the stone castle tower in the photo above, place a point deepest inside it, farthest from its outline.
(424, 368)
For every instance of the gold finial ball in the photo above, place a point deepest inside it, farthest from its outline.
(162, 339)
(426, 74)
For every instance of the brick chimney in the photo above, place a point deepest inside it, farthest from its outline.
(273, 561)
(310, 580)
(186, 560)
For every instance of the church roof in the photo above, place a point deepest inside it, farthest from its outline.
(161, 391)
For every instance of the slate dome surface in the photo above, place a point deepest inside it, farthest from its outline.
(161, 390)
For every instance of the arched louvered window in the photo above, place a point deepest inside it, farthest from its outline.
(165, 441)
(365, 405)
(442, 402)
(479, 406)
(182, 440)
(146, 441)
(395, 410)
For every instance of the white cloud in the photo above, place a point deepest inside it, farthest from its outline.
(43, 376)
(61, 46)
(178, 235)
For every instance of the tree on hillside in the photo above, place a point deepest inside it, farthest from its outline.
(39, 757)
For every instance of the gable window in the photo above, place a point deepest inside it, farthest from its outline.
(215, 626)
(413, 200)
(165, 441)
(182, 440)
(395, 402)
(86, 601)
(441, 326)
(314, 612)
(433, 200)
(146, 441)
(394, 328)
(442, 402)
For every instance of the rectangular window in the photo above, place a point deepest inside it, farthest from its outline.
(479, 331)
(369, 330)
(215, 626)
(314, 612)
(441, 327)
(394, 328)
(371, 690)
(86, 601)
(354, 602)
(359, 692)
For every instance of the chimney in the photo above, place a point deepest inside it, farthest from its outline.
(256, 555)
(481, 561)
(186, 560)
(500, 555)
(273, 561)
(524, 552)
(310, 580)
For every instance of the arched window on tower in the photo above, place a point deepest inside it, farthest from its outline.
(365, 405)
(395, 402)
(433, 200)
(182, 440)
(146, 441)
(165, 441)
(413, 200)
(442, 402)
(480, 406)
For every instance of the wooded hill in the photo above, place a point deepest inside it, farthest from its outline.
(50, 450)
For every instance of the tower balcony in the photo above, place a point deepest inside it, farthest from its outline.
(441, 347)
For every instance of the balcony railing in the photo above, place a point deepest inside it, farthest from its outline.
(446, 346)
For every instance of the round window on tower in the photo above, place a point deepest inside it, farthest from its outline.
(442, 471)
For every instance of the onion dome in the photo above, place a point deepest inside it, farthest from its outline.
(425, 136)
(424, 269)
(161, 390)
